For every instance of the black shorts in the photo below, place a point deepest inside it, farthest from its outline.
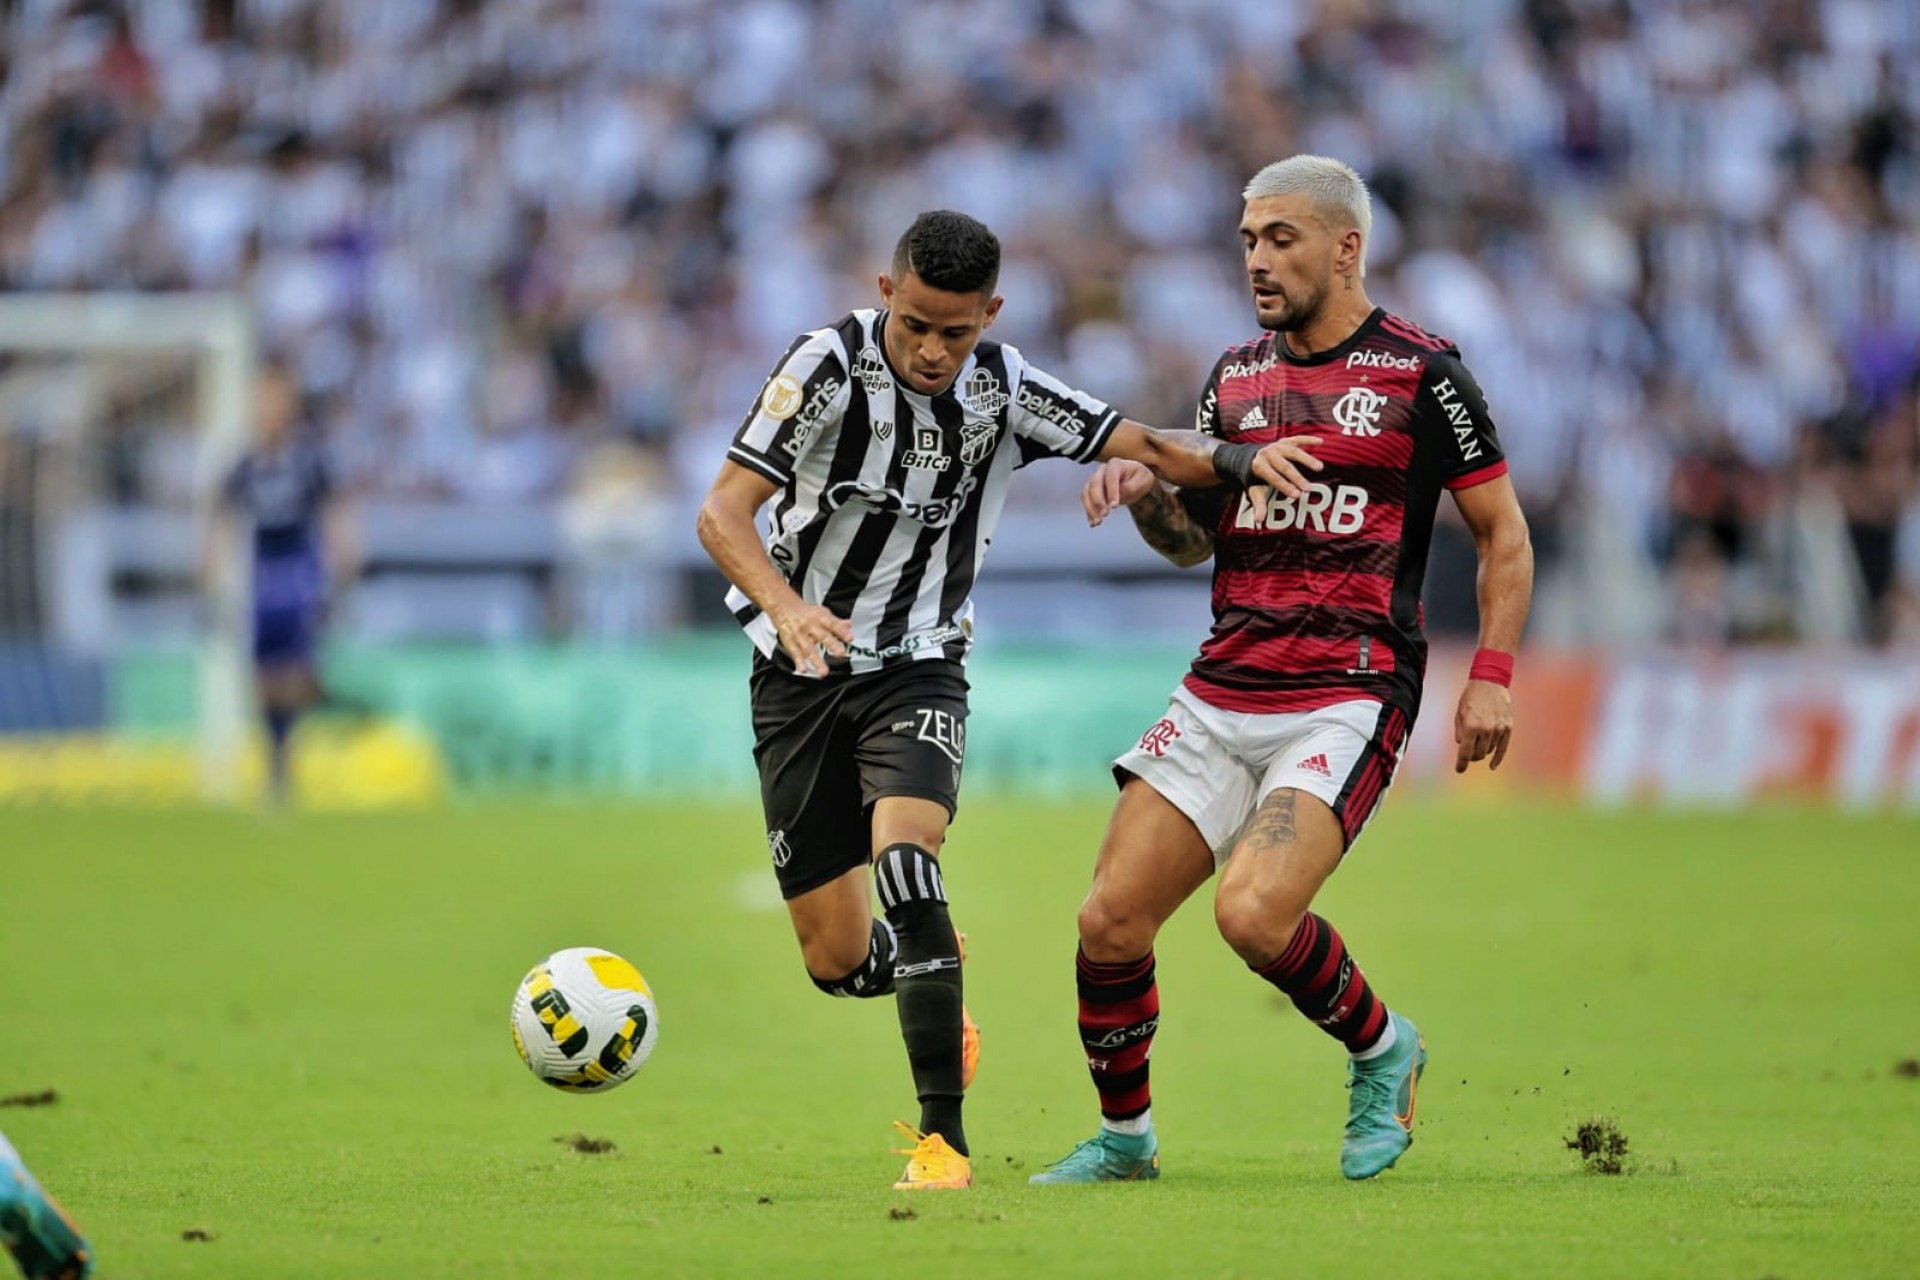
(828, 750)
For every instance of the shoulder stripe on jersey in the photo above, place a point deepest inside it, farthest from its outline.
(1413, 333)
(754, 462)
(1493, 471)
(1097, 438)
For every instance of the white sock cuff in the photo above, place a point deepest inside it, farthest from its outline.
(1380, 1046)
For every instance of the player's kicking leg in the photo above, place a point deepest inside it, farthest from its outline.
(1289, 847)
(928, 992)
(845, 787)
(36, 1232)
(1151, 860)
(849, 952)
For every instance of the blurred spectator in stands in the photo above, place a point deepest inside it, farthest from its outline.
(1667, 232)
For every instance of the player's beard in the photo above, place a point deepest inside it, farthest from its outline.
(1297, 313)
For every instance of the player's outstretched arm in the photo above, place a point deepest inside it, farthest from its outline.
(1483, 724)
(1195, 460)
(726, 531)
(1163, 520)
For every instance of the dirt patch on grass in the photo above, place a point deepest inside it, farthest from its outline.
(1906, 1069)
(44, 1098)
(1602, 1145)
(900, 1213)
(586, 1146)
(197, 1235)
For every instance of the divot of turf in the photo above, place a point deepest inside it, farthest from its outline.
(587, 1146)
(1907, 1068)
(900, 1213)
(44, 1098)
(198, 1235)
(1602, 1145)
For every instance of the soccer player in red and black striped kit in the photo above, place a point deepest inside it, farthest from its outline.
(1283, 738)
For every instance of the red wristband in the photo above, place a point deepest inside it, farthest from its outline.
(1492, 666)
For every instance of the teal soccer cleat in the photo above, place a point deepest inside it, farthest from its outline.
(1108, 1157)
(41, 1238)
(1380, 1111)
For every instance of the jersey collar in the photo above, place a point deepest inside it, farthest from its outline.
(1338, 352)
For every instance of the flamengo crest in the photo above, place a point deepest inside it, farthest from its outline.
(1358, 412)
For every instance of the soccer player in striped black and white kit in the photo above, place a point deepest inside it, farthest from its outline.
(1282, 739)
(886, 442)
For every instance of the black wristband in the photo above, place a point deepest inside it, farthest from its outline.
(1235, 462)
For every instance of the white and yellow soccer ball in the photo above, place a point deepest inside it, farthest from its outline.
(584, 1020)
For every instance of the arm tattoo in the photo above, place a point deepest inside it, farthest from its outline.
(1272, 823)
(1166, 527)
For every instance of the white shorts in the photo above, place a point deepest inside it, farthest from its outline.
(1215, 766)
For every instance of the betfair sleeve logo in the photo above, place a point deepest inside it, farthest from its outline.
(782, 399)
(1460, 417)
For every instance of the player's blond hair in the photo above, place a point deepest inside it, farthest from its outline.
(1338, 194)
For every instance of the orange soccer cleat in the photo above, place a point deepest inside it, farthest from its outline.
(932, 1164)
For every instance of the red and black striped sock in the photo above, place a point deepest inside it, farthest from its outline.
(1320, 977)
(1119, 1012)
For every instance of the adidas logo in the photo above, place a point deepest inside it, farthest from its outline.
(1254, 421)
(1317, 764)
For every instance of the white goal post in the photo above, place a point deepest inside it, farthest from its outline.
(216, 331)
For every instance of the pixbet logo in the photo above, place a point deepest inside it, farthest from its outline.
(1380, 360)
(1326, 509)
(1249, 369)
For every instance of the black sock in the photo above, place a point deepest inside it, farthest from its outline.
(874, 977)
(279, 731)
(926, 983)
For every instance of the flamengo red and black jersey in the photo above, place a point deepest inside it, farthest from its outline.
(1320, 602)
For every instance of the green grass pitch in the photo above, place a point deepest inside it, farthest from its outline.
(290, 1034)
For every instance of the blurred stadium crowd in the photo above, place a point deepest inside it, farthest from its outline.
(513, 246)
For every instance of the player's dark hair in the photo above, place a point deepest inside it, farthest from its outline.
(949, 251)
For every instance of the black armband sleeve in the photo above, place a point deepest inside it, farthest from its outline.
(1234, 463)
